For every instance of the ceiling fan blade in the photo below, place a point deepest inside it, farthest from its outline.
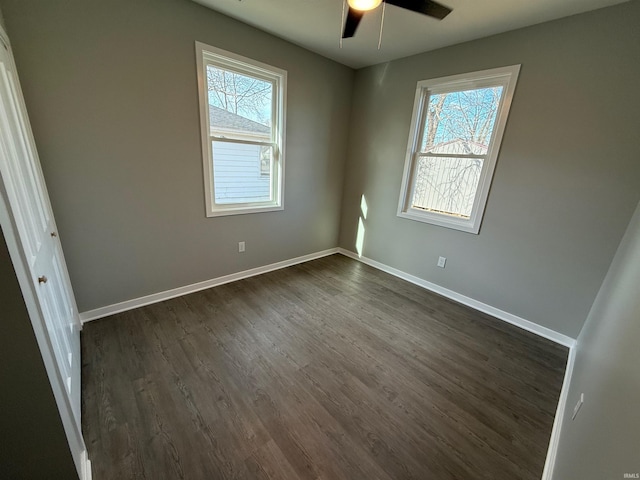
(426, 7)
(353, 19)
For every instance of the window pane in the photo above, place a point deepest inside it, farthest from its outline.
(240, 106)
(461, 122)
(446, 185)
(238, 174)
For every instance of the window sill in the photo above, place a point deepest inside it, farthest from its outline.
(441, 221)
(244, 210)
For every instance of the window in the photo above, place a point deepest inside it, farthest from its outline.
(242, 110)
(455, 136)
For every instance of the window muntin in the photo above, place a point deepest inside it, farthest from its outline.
(242, 120)
(456, 130)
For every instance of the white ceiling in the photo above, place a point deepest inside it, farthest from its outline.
(316, 24)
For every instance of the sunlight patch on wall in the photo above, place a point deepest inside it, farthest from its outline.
(360, 237)
(364, 209)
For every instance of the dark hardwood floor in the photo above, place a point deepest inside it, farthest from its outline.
(326, 370)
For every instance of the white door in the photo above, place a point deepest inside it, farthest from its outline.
(37, 252)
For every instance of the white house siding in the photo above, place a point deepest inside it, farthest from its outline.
(236, 173)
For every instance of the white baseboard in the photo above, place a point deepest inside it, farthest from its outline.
(507, 317)
(86, 466)
(176, 292)
(196, 287)
(549, 464)
(475, 304)
(470, 302)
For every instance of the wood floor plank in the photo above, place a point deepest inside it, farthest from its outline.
(326, 370)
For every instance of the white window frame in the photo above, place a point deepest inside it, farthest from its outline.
(507, 78)
(208, 55)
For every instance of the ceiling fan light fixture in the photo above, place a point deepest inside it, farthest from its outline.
(364, 5)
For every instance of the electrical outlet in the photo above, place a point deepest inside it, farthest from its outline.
(240, 247)
(442, 261)
(576, 409)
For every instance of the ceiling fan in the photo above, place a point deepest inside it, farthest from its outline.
(357, 8)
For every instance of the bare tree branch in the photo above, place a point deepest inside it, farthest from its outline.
(240, 94)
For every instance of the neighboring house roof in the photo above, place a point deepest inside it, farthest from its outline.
(222, 119)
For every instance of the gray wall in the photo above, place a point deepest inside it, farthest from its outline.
(604, 440)
(33, 444)
(111, 92)
(567, 178)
